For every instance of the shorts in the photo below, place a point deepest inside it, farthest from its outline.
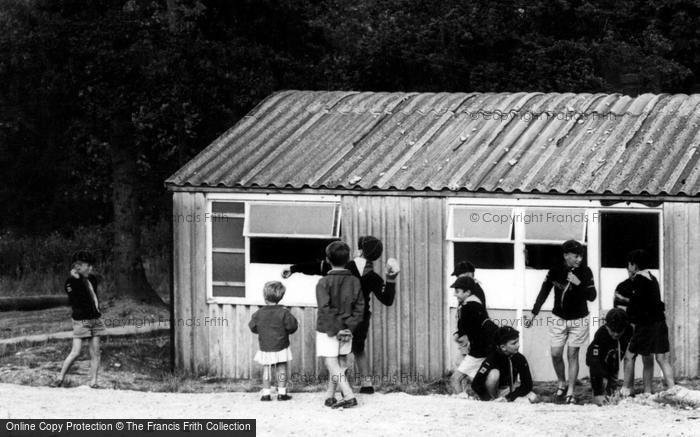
(650, 339)
(360, 335)
(470, 365)
(572, 332)
(88, 328)
(327, 346)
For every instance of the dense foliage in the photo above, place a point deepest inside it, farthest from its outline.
(159, 80)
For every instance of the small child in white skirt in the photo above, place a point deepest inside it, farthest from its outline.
(273, 323)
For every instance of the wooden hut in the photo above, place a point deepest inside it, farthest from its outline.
(500, 179)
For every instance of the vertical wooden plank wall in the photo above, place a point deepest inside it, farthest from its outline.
(214, 339)
(407, 339)
(681, 223)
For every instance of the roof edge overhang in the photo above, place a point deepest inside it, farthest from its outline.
(607, 197)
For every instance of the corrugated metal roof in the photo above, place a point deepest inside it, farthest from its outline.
(506, 142)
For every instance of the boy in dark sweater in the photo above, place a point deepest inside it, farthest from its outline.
(573, 288)
(370, 249)
(81, 287)
(604, 354)
(340, 309)
(474, 329)
(646, 313)
(505, 375)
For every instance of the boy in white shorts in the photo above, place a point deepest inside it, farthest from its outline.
(474, 329)
(340, 309)
(573, 288)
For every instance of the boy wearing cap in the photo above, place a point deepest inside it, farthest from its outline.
(466, 268)
(505, 375)
(81, 287)
(370, 249)
(473, 328)
(650, 336)
(573, 288)
(604, 354)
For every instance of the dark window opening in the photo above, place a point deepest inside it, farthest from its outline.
(288, 250)
(485, 255)
(545, 256)
(622, 232)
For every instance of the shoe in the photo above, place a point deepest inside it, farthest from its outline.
(284, 397)
(367, 390)
(345, 403)
(266, 398)
(330, 402)
(559, 395)
(56, 383)
(94, 385)
(570, 399)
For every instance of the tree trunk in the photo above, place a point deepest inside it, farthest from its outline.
(129, 274)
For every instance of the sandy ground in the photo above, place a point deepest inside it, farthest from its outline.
(379, 414)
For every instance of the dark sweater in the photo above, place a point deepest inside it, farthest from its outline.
(574, 305)
(604, 354)
(511, 368)
(473, 321)
(340, 302)
(370, 282)
(273, 324)
(645, 306)
(624, 289)
(84, 306)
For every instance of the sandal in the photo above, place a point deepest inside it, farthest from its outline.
(559, 395)
(570, 399)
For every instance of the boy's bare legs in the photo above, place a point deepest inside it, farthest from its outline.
(628, 385)
(267, 377)
(572, 355)
(362, 360)
(664, 361)
(457, 382)
(558, 364)
(332, 378)
(647, 373)
(492, 380)
(70, 359)
(336, 378)
(94, 360)
(281, 375)
(346, 390)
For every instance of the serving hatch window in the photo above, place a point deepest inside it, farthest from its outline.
(253, 241)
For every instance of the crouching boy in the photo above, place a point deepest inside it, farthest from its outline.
(505, 375)
(604, 354)
(340, 309)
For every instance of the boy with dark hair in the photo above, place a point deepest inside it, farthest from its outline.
(474, 329)
(467, 269)
(81, 287)
(573, 288)
(369, 250)
(340, 308)
(505, 375)
(646, 313)
(604, 354)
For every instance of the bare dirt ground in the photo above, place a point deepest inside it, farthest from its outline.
(378, 414)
